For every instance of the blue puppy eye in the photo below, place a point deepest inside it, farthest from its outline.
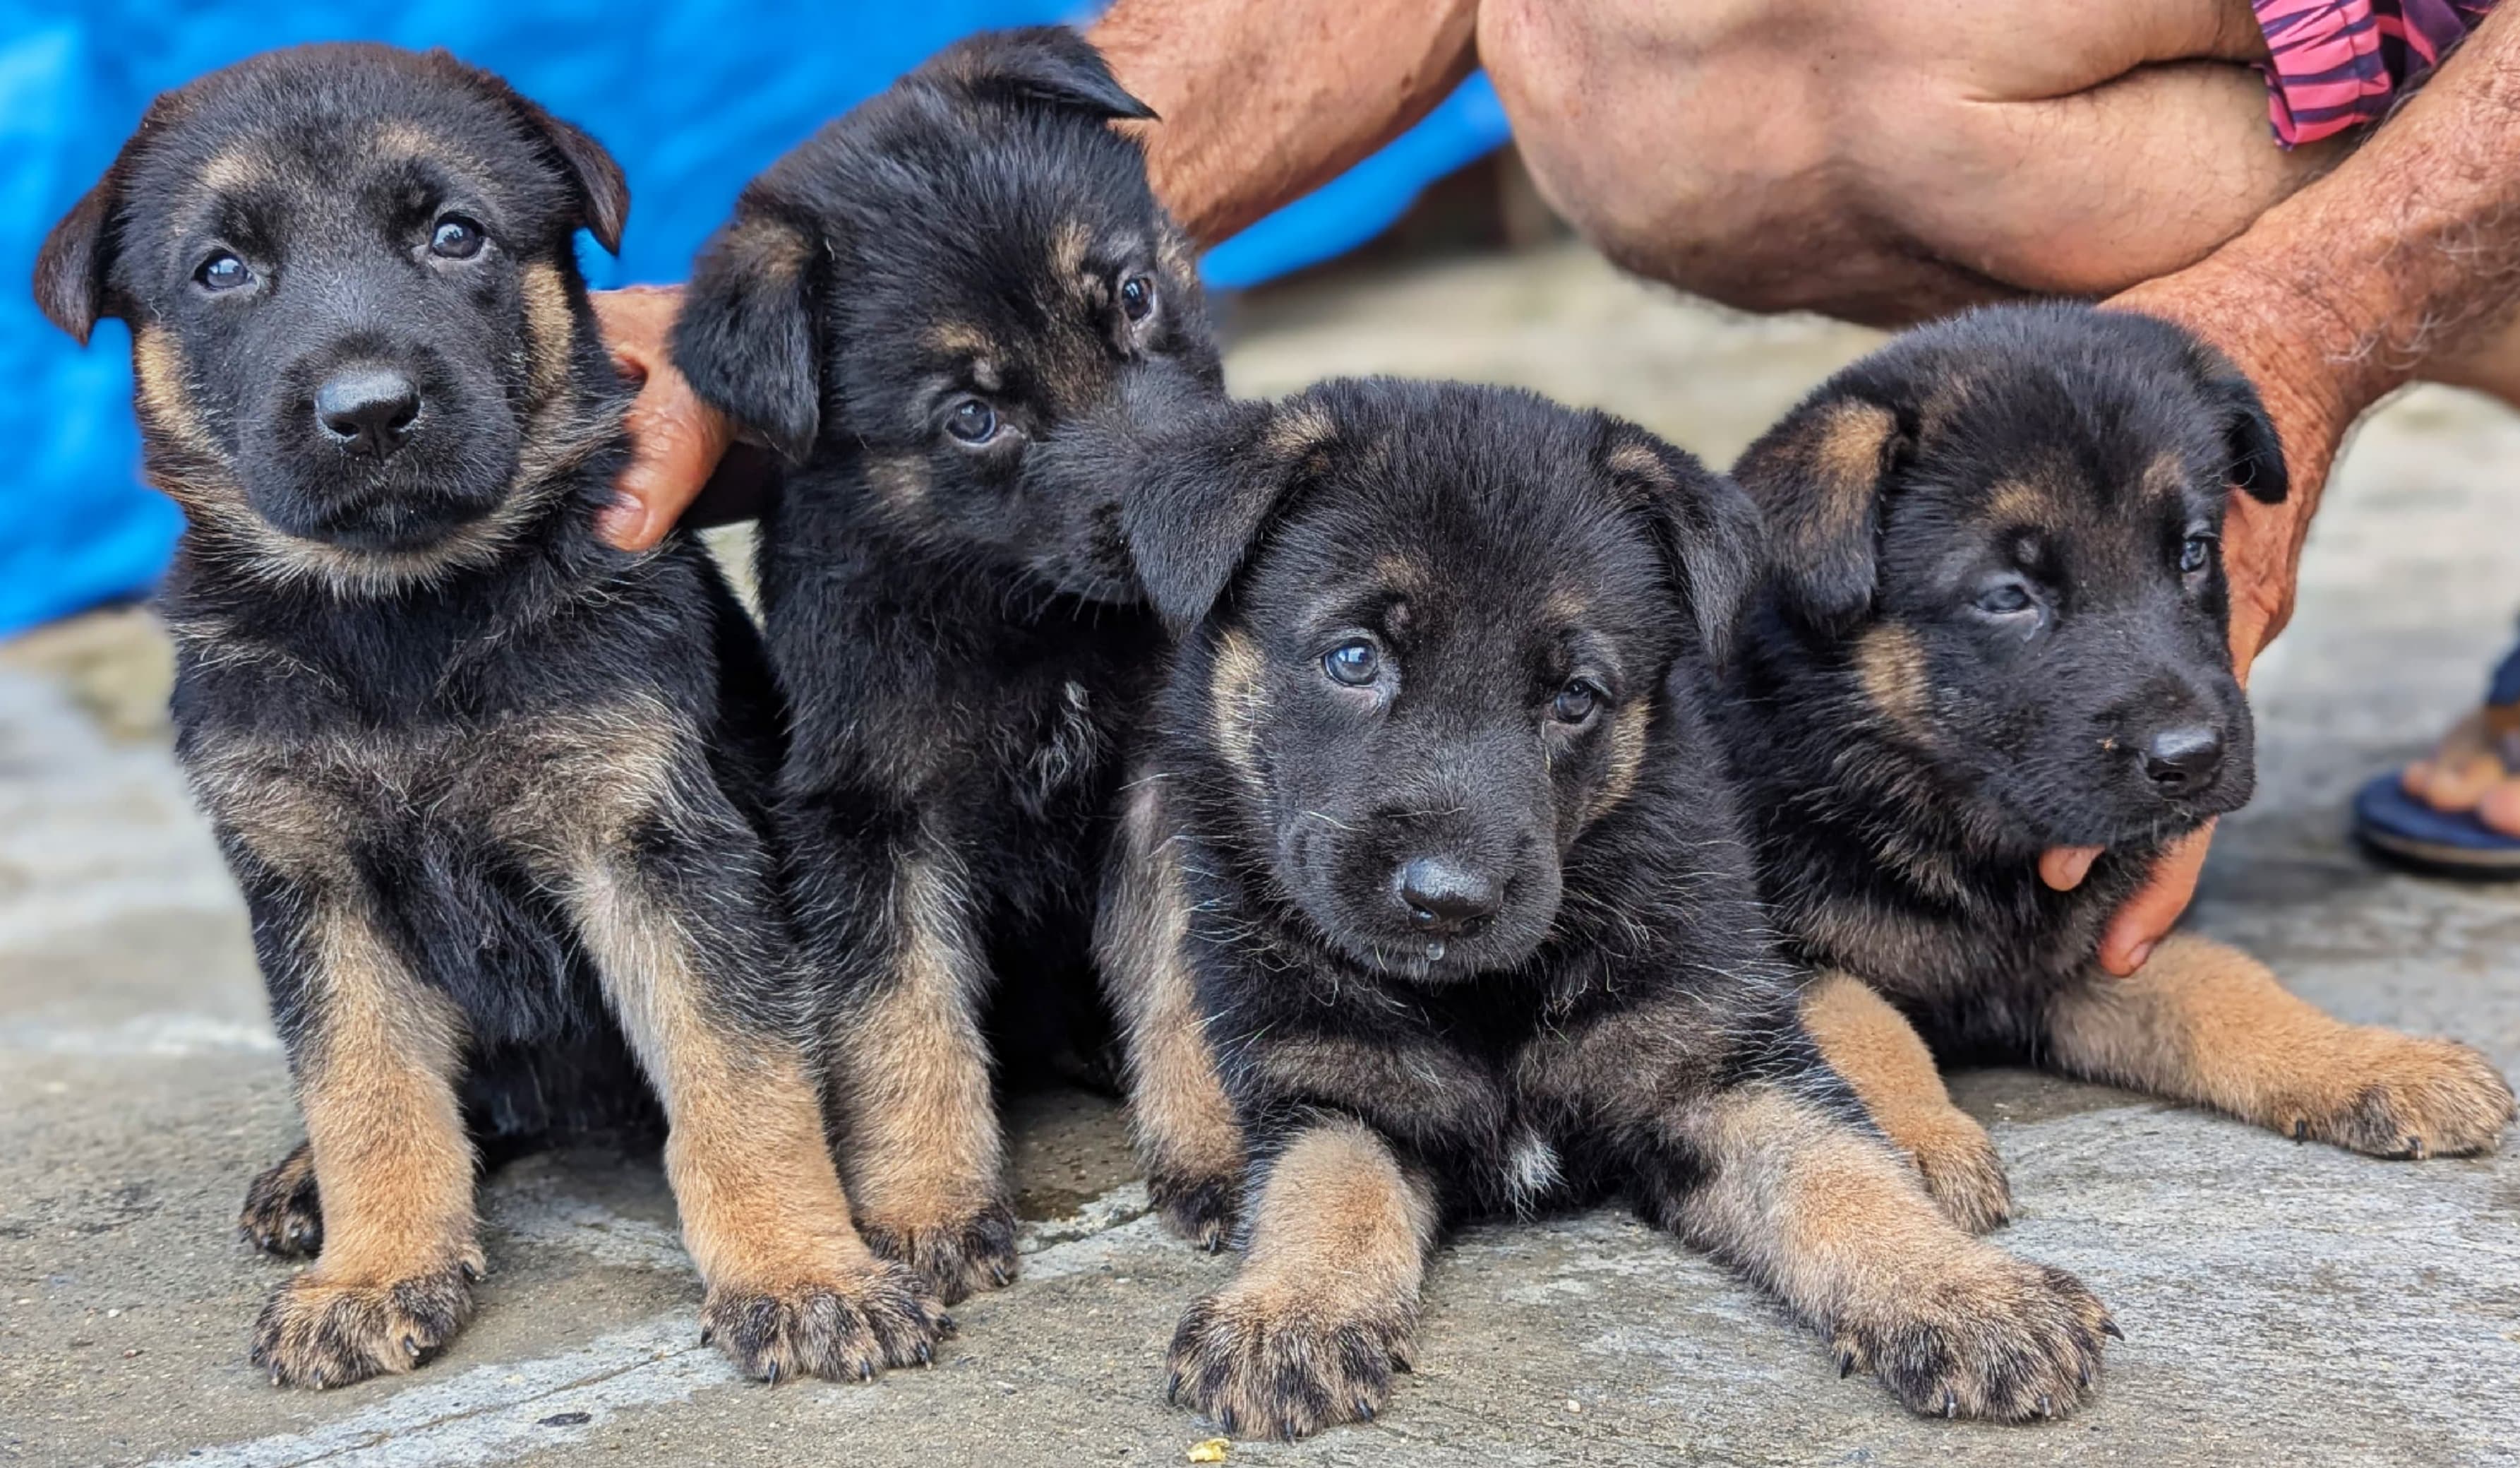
(2195, 553)
(1354, 664)
(1575, 702)
(223, 272)
(455, 238)
(972, 420)
(2004, 598)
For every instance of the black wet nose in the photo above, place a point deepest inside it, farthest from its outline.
(2183, 760)
(367, 410)
(1445, 898)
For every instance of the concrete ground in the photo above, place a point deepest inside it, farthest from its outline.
(2282, 1304)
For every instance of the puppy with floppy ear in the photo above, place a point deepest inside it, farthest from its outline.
(946, 310)
(1458, 902)
(1992, 623)
(493, 792)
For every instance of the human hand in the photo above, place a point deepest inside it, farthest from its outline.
(677, 441)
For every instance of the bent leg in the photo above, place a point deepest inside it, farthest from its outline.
(1881, 1056)
(1326, 1306)
(2205, 1022)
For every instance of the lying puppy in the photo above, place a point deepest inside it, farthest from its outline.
(922, 308)
(485, 783)
(1994, 624)
(1467, 914)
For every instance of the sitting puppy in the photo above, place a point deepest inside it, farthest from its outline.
(1993, 624)
(486, 784)
(1467, 915)
(943, 309)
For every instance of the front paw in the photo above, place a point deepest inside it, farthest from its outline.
(1285, 1363)
(953, 1257)
(1201, 1209)
(2413, 1099)
(319, 1332)
(846, 1325)
(282, 1213)
(1997, 1337)
(1961, 1168)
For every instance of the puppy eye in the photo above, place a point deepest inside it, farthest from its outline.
(1354, 664)
(2195, 553)
(456, 238)
(2006, 599)
(223, 272)
(1575, 702)
(1137, 297)
(972, 420)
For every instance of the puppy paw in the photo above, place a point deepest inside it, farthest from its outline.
(1269, 1363)
(954, 1257)
(316, 1331)
(1998, 1337)
(1202, 1210)
(282, 1214)
(846, 1325)
(1961, 1171)
(2411, 1098)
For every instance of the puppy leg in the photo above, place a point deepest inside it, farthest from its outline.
(1873, 1047)
(376, 1051)
(918, 1118)
(283, 1214)
(1186, 1137)
(679, 933)
(1834, 1223)
(2204, 1022)
(1326, 1306)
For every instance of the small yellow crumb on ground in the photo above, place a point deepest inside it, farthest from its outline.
(1210, 1451)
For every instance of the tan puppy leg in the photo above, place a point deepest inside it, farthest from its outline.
(2205, 1022)
(1188, 1138)
(1326, 1306)
(1833, 1222)
(1879, 1053)
(376, 1064)
(924, 1153)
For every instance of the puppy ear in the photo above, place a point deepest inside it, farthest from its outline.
(1048, 65)
(1199, 498)
(602, 194)
(1818, 478)
(1709, 530)
(749, 336)
(2256, 449)
(70, 268)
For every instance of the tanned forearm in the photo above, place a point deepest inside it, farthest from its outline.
(1264, 99)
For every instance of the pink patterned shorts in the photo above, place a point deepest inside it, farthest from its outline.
(2339, 64)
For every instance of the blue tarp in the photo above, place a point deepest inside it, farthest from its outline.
(693, 96)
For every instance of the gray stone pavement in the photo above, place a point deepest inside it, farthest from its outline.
(2282, 1304)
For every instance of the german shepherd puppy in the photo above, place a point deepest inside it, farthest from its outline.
(1469, 917)
(929, 309)
(1994, 621)
(486, 783)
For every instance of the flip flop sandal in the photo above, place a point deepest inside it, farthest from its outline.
(2403, 831)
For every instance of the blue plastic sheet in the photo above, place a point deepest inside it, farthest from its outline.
(693, 96)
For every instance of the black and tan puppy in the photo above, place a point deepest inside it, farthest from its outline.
(491, 789)
(1994, 624)
(1468, 916)
(924, 308)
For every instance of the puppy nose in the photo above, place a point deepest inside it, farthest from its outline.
(1446, 898)
(368, 410)
(2185, 760)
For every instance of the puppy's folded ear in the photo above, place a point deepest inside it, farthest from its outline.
(1709, 530)
(602, 194)
(73, 268)
(1050, 64)
(1198, 498)
(749, 335)
(2257, 458)
(1818, 478)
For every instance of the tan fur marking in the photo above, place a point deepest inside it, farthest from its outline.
(1871, 1045)
(1184, 1122)
(236, 169)
(1069, 242)
(1297, 431)
(902, 480)
(376, 1084)
(961, 338)
(2206, 1023)
(1891, 661)
(1846, 456)
(550, 332)
(2165, 477)
(922, 1129)
(1627, 739)
(1233, 694)
(2020, 502)
(165, 393)
(1340, 1227)
(1636, 461)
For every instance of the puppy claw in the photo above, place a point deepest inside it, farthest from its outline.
(2109, 1327)
(1271, 1362)
(1997, 1337)
(2415, 1098)
(953, 1257)
(843, 1325)
(319, 1332)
